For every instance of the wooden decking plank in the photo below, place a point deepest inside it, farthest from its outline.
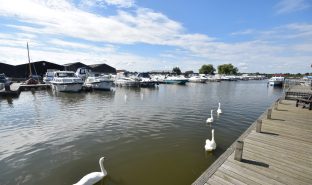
(281, 168)
(282, 146)
(299, 137)
(212, 181)
(280, 138)
(289, 128)
(233, 172)
(296, 157)
(221, 180)
(253, 174)
(228, 178)
(278, 160)
(269, 173)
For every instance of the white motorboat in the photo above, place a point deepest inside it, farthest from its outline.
(83, 73)
(99, 81)
(66, 81)
(198, 79)
(181, 80)
(48, 77)
(123, 81)
(146, 80)
(276, 81)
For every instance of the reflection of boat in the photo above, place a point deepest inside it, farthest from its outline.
(276, 81)
(123, 80)
(146, 80)
(198, 79)
(66, 81)
(99, 81)
(175, 80)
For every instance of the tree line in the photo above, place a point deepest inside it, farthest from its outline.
(227, 69)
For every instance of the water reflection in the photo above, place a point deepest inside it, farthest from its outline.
(159, 133)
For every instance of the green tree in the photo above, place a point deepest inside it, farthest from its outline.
(176, 70)
(207, 69)
(227, 69)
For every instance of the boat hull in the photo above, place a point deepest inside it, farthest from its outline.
(67, 87)
(198, 80)
(103, 85)
(179, 82)
(275, 83)
(127, 83)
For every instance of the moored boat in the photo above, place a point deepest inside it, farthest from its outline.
(146, 80)
(175, 80)
(66, 81)
(99, 81)
(122, 80)
(198, 79)
(276, 81)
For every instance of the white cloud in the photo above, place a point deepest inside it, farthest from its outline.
(121, 3)
(48, 24)
(288, 6)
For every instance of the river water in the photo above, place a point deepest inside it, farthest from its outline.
(148, 136)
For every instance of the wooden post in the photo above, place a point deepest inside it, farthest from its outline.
(276, 104)
(259, 125)
(239, 151)
(269, 114)
(7, 87)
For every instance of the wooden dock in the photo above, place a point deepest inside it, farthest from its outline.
(16, 88)
(280, 154)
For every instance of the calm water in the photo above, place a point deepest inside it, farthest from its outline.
(152, 137)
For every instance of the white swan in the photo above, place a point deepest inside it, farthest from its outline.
(93, 177)
(211, 144)
(219, 111)
(210, 120)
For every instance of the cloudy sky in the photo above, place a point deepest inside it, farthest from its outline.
(140, 35)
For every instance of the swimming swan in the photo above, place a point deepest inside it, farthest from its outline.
(93, 177)
(219, 111)
(211, 144)
(210, 120)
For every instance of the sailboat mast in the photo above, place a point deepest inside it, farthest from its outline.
(30, 74)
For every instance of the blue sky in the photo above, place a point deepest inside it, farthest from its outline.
(256, 36)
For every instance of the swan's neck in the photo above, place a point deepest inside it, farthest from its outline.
(219, 105)
(212, 135)
(102, 166)
(211, 115)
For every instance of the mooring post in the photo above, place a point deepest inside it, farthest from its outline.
(269, 114)
(259, 125)
(239, 151)
(7, 87)
(276, 104)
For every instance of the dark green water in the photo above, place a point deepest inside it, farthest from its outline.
(154, 137)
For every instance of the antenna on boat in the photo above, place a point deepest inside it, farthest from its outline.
(30, 74)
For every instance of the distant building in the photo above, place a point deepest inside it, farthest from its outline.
(7, 69)
(40, 68)
(75, 66)
(22, 71)
(121, 71)
(103, 68)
